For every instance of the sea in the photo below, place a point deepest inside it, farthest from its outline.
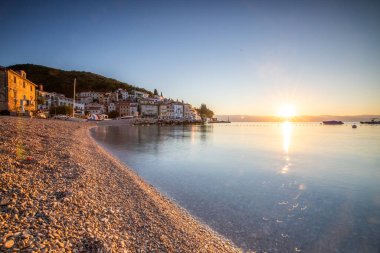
(267, 187)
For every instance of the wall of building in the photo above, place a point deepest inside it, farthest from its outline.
(21, 93)
(3, 90)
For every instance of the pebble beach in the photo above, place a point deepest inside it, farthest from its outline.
(61, 192)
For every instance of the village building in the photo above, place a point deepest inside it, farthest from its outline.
(123, 94)
(85, 100)
(164, 111)
(53, 99)
(187, 111)
(94, 108)
(149, 110)
(127, 108)
(90, 96)
(123, 108)
(134, 109)
(111, 107)
(139, 94)
(17, 93)
(177, 110)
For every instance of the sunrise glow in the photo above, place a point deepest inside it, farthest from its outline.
(287, 111)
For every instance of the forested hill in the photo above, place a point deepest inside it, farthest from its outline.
(61, 81)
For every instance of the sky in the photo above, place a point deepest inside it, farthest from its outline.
(238, 57)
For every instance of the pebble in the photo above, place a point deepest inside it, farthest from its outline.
(9, 244)
(68, 195)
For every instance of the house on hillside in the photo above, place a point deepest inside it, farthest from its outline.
(17, 93)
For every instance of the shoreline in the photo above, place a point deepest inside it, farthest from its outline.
(61, 190)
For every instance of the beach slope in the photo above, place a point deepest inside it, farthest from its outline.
(60, 191)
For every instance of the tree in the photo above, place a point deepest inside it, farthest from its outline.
(205, 112)
(40, 100)
(161, 93)
(113, 114)
(155, 92)
(62, 109)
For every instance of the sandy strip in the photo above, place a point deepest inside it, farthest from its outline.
(61, 191)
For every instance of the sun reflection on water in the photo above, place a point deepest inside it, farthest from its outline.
(286, 139)
(286, 135)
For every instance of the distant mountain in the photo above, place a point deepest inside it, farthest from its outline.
(304, 118)
(61, 81)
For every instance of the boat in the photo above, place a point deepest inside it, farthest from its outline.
(354, 126)
(332, 122)
(126, 117)
(219, 121)
(215, 120)
(374, 121)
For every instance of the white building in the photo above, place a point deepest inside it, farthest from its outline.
(92, 94)
(55, 99)
(124, 94)
(164, 111)
(111, 107)
(178, 110)
(187, 111)
(139, 94)
(134, 109)
(85, 100)
(149, 110)
(95, 108)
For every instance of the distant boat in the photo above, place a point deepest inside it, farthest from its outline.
(126, 117)
(332, 122)
(374, 121)
(215, 120)
(354, 126)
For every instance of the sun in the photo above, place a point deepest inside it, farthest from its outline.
(287, 111)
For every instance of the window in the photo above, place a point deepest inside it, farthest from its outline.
(23, 84)
(14, 79)
(31, 88)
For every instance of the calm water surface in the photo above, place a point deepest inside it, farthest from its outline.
(266, 186)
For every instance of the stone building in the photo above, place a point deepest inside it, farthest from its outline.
(17, 94)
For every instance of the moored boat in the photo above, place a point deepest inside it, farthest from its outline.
(374, 121)
(332, 122)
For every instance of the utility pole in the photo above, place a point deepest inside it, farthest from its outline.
(75, 82)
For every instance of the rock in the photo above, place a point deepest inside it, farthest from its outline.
(9, 244)
(5, 201)
(60, 244)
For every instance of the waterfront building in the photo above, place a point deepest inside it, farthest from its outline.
(177, 110)
(149, 110)
(164, 111)
(123, 108)
(17, 93)
(94, 108)
(133, 109)
(187, 111)
(53, 99)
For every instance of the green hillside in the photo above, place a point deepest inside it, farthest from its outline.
(61, 81)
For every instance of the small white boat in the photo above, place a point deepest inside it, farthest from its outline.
(126, 117)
